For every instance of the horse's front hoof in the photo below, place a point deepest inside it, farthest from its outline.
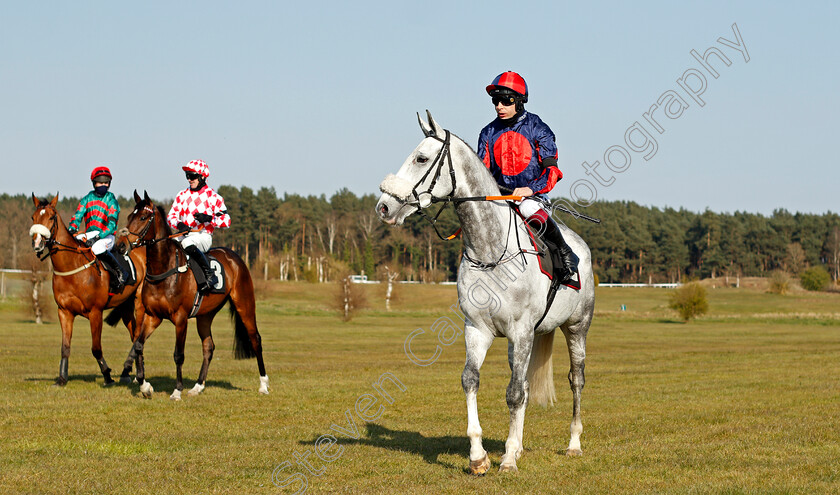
(508, 468)
(60, 382)
(264, 385)
(480, 466)
(109, 383)
(176, 396)
(125, 380)
(147, 390)
(197, 389)
(574, 452)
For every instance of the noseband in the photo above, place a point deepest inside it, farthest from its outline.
(140, 236)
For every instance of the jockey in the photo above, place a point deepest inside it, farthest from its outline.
(198, 206)
(96, 220)
(519, 150)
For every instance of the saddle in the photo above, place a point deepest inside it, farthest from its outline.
(217, 268)
(127, 265)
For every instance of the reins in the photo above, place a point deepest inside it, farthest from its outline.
(52, 246)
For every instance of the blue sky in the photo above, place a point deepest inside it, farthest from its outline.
(315, 96)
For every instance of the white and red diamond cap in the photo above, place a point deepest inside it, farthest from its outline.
(199, 167)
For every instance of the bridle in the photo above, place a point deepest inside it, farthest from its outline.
(50, 244)
(141, 241)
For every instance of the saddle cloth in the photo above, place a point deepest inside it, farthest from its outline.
(217, 268)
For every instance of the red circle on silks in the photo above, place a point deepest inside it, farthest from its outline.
(512, 152)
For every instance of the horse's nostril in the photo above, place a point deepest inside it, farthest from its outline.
(383, 209)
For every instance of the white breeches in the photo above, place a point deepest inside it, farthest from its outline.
(202, 240)
(102, 245)
(530, 206)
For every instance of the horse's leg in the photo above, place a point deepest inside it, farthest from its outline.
(150, 322)
(576, 342)
(65, 317)
(519, 355)
(242, 298)
(203, 323)
(477, 344)
(95, 319)
(134, 323)
(180, 339)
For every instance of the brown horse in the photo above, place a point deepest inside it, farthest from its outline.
(80, 286)
(170, 293)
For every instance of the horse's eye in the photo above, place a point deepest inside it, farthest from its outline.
(421, 159)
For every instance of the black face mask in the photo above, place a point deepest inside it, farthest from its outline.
(100, 190)
(201, 183)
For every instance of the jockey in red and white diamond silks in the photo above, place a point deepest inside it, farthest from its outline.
(199, 205)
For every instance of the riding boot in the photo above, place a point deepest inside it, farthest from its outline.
(210, 279)
(552, 235)
(118, 275)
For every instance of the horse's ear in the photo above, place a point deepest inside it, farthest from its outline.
(436, 129)
(137, 197)
(146, 195)
(427, 131)
(36, 200)
(54, 200)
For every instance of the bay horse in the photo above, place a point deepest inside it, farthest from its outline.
(501, 292)
(81, 287)
(170, 292)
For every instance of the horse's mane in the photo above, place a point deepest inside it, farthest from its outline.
(162, 213)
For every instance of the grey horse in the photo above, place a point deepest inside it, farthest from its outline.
(501, 289)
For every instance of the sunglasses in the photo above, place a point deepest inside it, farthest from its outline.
(504, 100)
(193, 176)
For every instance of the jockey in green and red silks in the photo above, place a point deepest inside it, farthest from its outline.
(519, 150)
(95, 221)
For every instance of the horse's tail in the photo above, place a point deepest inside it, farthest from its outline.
(540, 371)
(242, 348)
(117, 313)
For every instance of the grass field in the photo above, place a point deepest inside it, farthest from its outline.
(744, 400)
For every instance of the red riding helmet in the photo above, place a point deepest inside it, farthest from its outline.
(199, 167)
(507, 82)
(98, 171)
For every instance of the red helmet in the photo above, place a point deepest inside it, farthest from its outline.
(100, 171)
(199, 167)
(508, 82)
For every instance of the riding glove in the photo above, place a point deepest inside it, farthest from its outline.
(203, 217)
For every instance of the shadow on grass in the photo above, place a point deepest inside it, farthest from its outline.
(429, 448)
(167, 383)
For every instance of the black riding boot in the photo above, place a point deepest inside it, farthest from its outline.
(210, 279)
(118, 275)
(552, 235)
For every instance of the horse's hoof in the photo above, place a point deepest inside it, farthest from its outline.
(574, 452)
(508, 468)
(176, 395)
(147, 390)
(480, 467)
(109, 383)
(264, 385)
(125, 380)
(197, 389)
(60, 382)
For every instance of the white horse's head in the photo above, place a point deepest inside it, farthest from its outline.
(425, 175)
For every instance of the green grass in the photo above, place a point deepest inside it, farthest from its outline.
(742, 400)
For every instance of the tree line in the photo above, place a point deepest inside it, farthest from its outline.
(319, 239)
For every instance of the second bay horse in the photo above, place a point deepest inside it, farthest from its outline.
(171, 297)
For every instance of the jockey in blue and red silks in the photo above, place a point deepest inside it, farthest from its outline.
(519, 150)
(198, 206)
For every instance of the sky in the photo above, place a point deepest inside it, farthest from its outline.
(312, 97)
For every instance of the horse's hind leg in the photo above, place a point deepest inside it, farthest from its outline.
(95, 318)
(134, 323)
(66, 319)
(477, 344)
(519, 355)
(203, 323)
(576, 342)
(247, 335)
